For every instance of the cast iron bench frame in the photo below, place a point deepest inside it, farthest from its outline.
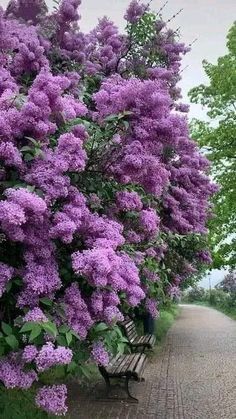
(129, 367)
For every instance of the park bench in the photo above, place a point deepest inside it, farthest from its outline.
(135, 342)
(126, 367)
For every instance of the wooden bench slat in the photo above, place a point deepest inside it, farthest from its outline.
(133, 337)
(140, 365)
(134, 362)
(127, 323)
(126, 363)
(131, 325)
(113, 366)
(119, 365)
(114, 359)
(130, 332)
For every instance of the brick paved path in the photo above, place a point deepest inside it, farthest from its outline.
(193, 377)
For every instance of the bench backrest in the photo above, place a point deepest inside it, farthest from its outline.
(130, 329)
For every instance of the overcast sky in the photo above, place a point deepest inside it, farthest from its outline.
(206, 20)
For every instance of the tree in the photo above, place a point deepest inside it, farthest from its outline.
(104, 197)
(218, 141)
(229, 283)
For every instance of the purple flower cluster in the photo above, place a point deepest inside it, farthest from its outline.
(35, 315)
(49, 356)
(6, 273)
(205, 257)
(128, 201)
(52, 399)
(29, 353)
(99, 354)
(103, 267)
(135, 11)
(174, 291)
(77, 313)
(151, 307)
(13, 376)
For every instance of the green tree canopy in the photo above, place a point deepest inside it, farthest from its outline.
(218, 140)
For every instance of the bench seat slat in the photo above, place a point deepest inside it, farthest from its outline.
(127, 323)
(119, 365)
(140, 365)
(133, 337)
(130, 331)
(113, 366)
(146, 339)
(124, 366)
(127, 364)
(132, 367)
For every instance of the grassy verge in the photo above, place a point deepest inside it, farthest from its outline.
(165, 321)
(229, 312)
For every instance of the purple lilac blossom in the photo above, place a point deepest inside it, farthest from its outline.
(99, 354)
(52, 399)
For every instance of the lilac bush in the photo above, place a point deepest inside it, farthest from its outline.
(104, 196)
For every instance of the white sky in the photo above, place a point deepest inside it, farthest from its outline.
(207, 20)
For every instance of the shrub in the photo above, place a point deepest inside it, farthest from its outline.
(104, 197)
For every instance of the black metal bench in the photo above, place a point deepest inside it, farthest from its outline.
(135, 341)
(129, 367)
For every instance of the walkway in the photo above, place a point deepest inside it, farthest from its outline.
(194, 376)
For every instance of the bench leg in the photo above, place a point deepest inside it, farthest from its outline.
(107, 381)
(108, 385)
(127, 390)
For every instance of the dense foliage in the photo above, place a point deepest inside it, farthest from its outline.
(222, 297)
(228, 284)
(218, 139)
(104, 196)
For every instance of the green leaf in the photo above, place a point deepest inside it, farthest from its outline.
(85, 371)
(61, 340)
(100, 327)
(27, 327)
(69, 337)
(50, 328)
(46, 301)
(35, 332)
(75, 334)
(12, 341)
(111, 118)
(26, 148)
(9, 286)
(28, 157)
(6, 328)
(32, 140)
(64, 329)
(72, 367)
(121, 348)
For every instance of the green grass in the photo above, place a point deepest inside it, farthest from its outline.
(165, 321)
